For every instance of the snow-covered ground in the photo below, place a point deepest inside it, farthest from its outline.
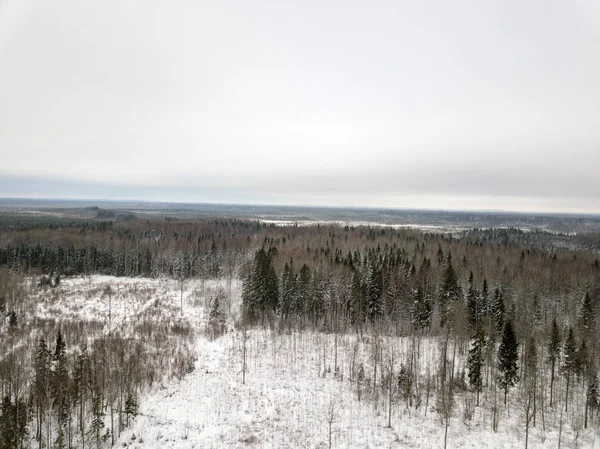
(291, 397)
(117, 302)
(375, 224)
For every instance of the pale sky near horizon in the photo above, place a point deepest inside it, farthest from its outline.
(433, 104)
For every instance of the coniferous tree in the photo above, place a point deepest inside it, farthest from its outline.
(260, 291)
(485, 304)
(553, 354)
(95, 431)
(583, 362)
(81, 374)
(592, 398)
(288, 289)
(498, 308)
(530, 378)
(303, 291)
(440, 255)
(216, 316)
(472, 303)
(508, 356)
(450, 291)
(41, 386)
(530, 362)
(587, 316)
(131, 407)
(13, 423)
(59, 378)
(421, 309)
(569, 362)
(356, 304)
(475, 360)
(374, 286)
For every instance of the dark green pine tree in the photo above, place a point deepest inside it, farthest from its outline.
(303, 291)
(508, 356)
(41, 384)
(94, 433)
(553, 354)
(440, 255)
(13, 423)
(583, 361)
(450, 292)
(288, 289)
(131, 408)
(8, 438)
(81, 375)
(59, 383)
(587, 315)
(473, 303)
(251, 289)
(421, 309)
(475, 360)
(374, 287)
(317, 297)
(260, 291)
(356, 303)
(530, 365)
(591, 396)
(271, 286)
(498, 308)
(569, 362)
(485, 298)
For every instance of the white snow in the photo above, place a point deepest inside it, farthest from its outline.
(290, 390)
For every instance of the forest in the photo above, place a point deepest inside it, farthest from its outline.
(512, 314)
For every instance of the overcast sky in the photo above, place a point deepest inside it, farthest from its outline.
(437, 105)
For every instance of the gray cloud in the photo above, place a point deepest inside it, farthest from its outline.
(470, 104)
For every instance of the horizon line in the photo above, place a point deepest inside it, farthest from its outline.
(312, 206)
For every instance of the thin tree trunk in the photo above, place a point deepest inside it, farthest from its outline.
(567, 394)
(551, 381)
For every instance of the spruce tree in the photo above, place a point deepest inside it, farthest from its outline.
(508, 356)
(553, 354)
(421, 309)
(13, 423)
(317, 297)
(592, 396)
(95, 431)
(356, 303)
(472, 303)
(303, 291)
(260, 291)
(450, 291)
(288, 289)
(131, 408)
(81, 376)
(475, 360)
(485, 305)
(60, 386)
(216, 316)
(41, 385)
(8, 438)
(587, 315)
(569, 362)
(582, 365)
(530, 362)
(498, 308)
(374, 286)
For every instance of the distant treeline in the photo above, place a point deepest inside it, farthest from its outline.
(375, 273)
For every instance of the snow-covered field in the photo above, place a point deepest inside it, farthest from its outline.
(289, 400)
(292, 396)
